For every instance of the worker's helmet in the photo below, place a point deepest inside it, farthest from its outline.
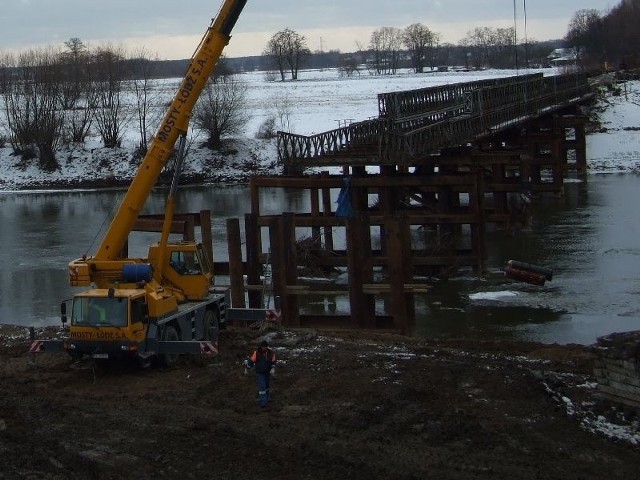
(264, 343)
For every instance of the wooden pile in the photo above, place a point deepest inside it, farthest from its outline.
(617, 368)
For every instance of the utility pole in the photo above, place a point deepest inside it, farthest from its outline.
(526, 38)
(322, 60)
(515, 34)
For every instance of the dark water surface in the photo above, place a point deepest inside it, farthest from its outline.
(589, 238)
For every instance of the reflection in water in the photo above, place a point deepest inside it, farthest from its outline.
(588, 238)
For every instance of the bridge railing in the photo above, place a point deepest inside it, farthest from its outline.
(493, 109)
(422, 121)
(291, 145)
(410, 103)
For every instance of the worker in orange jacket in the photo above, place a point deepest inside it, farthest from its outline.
(264, 361)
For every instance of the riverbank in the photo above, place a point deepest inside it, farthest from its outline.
(345, 405)
(91, 167)
(323, 100)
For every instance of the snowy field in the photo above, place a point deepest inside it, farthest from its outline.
(319, 101)
(322, 100)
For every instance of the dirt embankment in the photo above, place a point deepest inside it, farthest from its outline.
(345, 405)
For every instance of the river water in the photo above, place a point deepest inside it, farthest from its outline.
(588, 237)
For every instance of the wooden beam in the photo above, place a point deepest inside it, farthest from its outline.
(236, 273)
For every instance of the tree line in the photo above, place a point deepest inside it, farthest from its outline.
(51, 97)
(611, 37)
(597, 38)
(390, 49)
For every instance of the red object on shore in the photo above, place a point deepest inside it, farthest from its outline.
(525, 276)
(547, 272)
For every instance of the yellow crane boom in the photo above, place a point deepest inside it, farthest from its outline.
(174, 123)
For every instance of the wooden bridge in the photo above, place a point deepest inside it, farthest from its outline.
(416, 124)
(452, 159)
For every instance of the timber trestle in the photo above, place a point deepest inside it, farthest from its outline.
(450, 161)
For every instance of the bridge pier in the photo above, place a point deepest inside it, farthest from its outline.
(574, 147)
(413, 242)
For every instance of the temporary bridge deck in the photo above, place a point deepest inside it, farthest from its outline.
(414, 125)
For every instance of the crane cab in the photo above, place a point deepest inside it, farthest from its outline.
(184, 266)
(106, 322)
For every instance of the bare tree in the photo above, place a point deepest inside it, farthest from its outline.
(586, 34)
(348, 66)
(111, 114)
(78, 92)
(490, 47)
(613, 36)
(477, 44)
(284, 109)
(143, 70)
(421, 43)
(7, 62)
(503, 48)
(275, 52)
(33, 106)
(444, 53)
(79, 120)
(385, 44)
(74, 60)
(222, 109)
(297, 53)
(622, 34)
(287, 50)
(267, 129)
(270, 76)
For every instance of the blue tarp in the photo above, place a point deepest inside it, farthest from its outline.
(344, 201)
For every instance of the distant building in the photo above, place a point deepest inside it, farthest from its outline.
(562, 56)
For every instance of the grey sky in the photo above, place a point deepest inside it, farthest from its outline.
(172, 28)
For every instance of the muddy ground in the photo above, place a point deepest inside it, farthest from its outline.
(345, 406)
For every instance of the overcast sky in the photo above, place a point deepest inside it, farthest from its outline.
(171, 29)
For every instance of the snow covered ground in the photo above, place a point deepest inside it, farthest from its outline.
(616, 147)
(319, 101)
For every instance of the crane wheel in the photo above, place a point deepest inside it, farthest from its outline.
(169, 359)
(211, 325)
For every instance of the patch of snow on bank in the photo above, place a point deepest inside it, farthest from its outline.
(616, 147)
(623, 431)
(492, 295)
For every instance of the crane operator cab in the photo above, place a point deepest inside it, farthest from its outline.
(100, 311)
(185, 263)
(186, 266)
(106, 308)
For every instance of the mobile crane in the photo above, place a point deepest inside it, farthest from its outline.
(163, 305)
